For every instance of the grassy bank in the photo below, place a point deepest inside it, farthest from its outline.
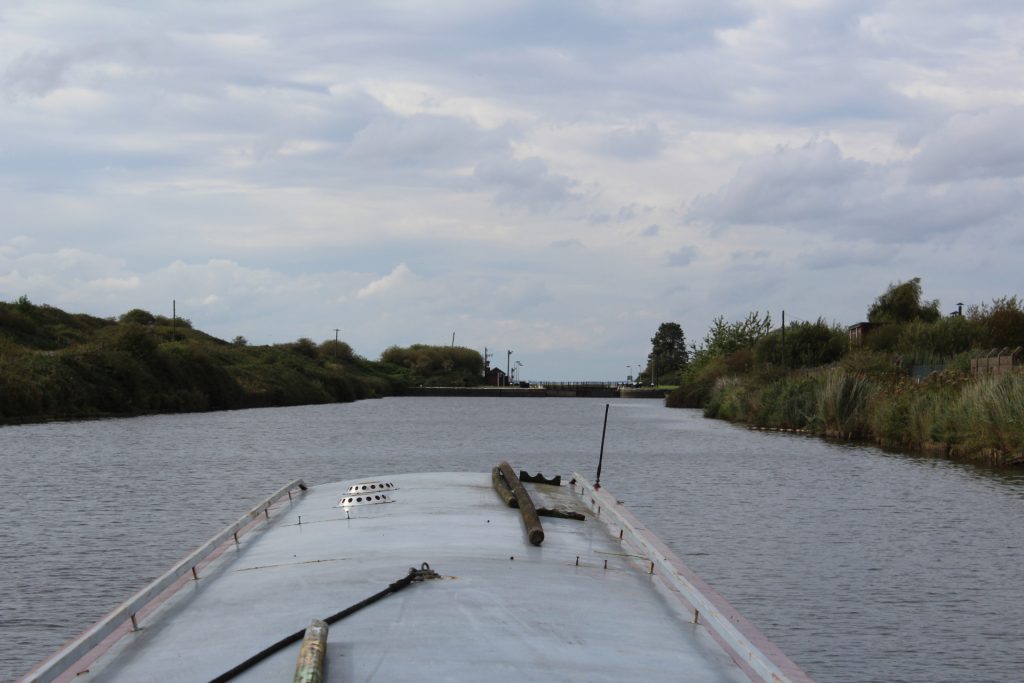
(56, 365)
(951, 413)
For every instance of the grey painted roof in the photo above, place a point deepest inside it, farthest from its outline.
(504, 609)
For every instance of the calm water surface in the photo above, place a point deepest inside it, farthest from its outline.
(861, 565)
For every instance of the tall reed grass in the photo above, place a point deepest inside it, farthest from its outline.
(989, 413)
(979, 418)
(841, 401)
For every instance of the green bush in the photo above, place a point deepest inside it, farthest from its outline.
(138, 316)
(435, 365)
(697, 383)
(807, 345)
(931, 342)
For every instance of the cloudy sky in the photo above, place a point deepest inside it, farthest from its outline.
(555, 178)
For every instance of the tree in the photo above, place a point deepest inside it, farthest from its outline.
(668, 350)
(724, 338)
(901, 303)
(138, 316)
(1002, 323)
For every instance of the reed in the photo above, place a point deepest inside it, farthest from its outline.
(990, 414)
(841, 404)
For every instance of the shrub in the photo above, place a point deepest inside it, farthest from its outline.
(335, 350)
(436, 365)
(927, 342)
(138, 316)
(807, 345)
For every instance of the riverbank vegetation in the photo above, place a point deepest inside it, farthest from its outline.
(56, 365)
(434, 366)
(908, 384)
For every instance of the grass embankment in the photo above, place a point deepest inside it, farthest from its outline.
(952, 413)
(56, 365)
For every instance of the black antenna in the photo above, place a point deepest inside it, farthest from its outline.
(600, 459)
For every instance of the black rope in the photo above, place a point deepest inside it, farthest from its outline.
(414, 575)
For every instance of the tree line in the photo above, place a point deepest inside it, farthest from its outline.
(57, 365)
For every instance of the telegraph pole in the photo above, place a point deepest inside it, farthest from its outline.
(783, 339)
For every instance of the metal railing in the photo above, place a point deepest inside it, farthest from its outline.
(747, 646)
(56, 665)
(569, 385)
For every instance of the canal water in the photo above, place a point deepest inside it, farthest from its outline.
(860, 564)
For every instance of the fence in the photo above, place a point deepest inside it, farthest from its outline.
(997, 361)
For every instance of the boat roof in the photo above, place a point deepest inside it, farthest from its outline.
(600, 600)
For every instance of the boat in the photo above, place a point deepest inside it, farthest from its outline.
(461, 576)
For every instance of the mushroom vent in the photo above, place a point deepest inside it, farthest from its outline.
(364, 499)
(371, 487)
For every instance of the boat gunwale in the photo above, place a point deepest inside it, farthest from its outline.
(755, 654)
(75, 651)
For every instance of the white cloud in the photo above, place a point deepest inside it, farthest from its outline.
(114, 284)
(394, 281)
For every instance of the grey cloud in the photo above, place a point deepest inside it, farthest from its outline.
(980, 145)
(683, 256)
(846, 255)
(38, 72)
(790, 185)
(525, 183)
(423, 140)
(815, 189)
(633, 143)
(651, 230)
(623, 215)
(35, 73)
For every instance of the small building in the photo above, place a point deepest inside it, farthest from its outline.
(858, 332)
(496, 377)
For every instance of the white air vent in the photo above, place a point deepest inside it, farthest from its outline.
(364, 499)
(371, 487)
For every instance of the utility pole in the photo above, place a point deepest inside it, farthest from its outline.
(174, 319)
(508, 365)
(487, 359)
(336, 330)
(783, 339)
(453, 340)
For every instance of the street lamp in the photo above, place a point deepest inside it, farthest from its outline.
(629, 377)
(508, 366)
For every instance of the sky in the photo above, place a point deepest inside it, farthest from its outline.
(551, 178)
